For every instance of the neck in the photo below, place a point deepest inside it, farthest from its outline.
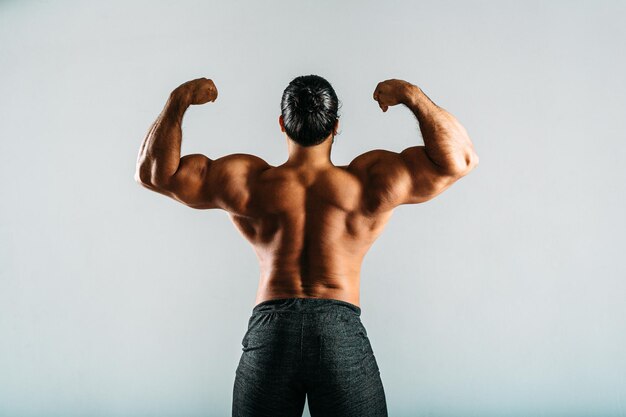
(310, 156)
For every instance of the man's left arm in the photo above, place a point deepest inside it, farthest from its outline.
(194, 180)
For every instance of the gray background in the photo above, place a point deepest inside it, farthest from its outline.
(504, 296)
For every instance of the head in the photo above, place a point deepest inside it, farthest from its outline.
(309, 110)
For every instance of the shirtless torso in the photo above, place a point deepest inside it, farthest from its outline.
(311, 224)
(310, 233)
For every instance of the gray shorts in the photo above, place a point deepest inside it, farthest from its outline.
(297, 347)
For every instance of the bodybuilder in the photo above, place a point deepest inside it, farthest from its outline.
(310, 223)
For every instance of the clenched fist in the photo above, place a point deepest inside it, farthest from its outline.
(198, 91)
(392, 92)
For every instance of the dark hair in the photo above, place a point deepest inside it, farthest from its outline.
(310, 109)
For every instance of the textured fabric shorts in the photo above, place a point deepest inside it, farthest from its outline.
(307, 347)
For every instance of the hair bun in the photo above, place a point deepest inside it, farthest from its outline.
(308, 101)
(309, 107)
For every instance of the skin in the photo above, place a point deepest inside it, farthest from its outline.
(310, 222)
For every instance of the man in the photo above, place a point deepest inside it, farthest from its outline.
(310, 223)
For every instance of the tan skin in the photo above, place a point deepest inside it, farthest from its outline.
(310, 222)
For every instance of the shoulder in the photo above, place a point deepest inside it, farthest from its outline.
(239, 165)
(368, 163)
(366, 159)
(384, 178)
(243, 160)
(230, 180)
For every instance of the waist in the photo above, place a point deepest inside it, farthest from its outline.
(305, 305)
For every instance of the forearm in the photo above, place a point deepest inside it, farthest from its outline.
(159, 154)
(446, 141)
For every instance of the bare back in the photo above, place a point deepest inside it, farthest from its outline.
(310, 232)
(310, 224)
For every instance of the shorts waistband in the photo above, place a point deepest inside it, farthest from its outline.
(303, 305)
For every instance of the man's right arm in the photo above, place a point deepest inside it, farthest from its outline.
(418, 173)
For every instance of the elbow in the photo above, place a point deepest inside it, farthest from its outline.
(138, 178)
(148, 174)
(471, 160)
(463, 165)
(470, 164)
(143, 176)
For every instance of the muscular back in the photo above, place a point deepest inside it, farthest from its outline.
(311, 228)
(310, 225)
(309, 231)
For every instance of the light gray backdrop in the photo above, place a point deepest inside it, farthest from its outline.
(504, 296)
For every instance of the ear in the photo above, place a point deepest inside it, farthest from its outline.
(336, 127)
(281, 122)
